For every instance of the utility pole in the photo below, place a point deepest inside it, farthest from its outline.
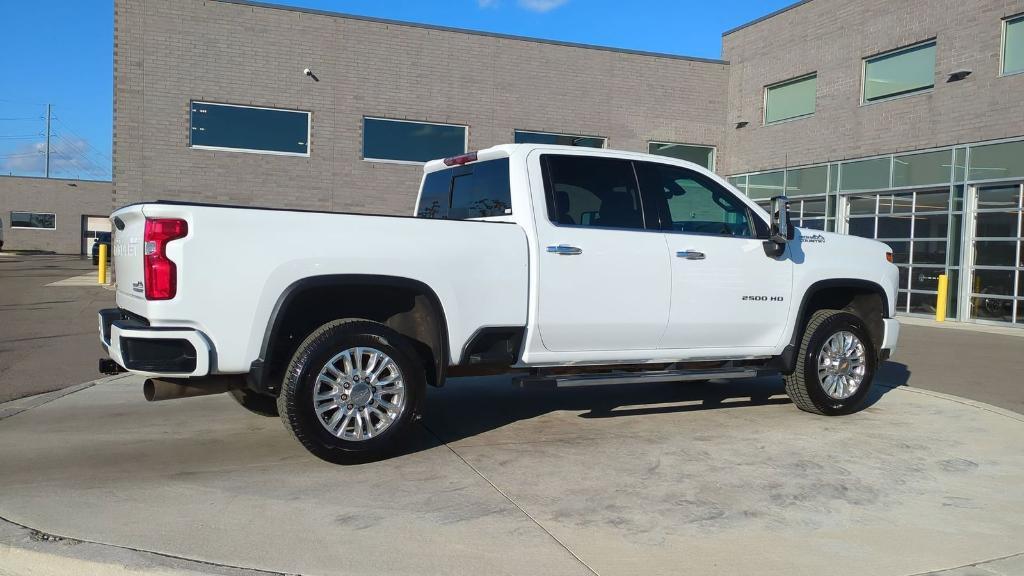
(48, 140)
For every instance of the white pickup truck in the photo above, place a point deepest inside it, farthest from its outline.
(565, 266)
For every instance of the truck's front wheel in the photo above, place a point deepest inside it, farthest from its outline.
(351, 391)
(835, 365)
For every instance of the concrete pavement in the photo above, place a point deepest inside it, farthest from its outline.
(47, 333)
(717, 478)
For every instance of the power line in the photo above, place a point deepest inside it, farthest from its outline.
(86, 140)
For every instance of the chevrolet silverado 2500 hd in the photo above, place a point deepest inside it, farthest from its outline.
(567, 266)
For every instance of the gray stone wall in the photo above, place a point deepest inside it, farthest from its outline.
(170, 52)
(832, 37)
(69, 200)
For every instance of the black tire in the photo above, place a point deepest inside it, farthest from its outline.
(255, 403)
(803, 385)
(295, 402)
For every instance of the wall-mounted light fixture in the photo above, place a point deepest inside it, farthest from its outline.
(309, 73)
(958, 75)
(742, 124)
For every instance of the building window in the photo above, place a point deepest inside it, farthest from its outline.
(387, 140)
(790, 99)
(527, 137)
(900, 72)
(38, 220)
(476, 190)
(1013, 45)
(699, 155)
(249, 129)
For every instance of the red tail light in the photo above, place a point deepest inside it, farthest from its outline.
(161, 274)
(460, 159)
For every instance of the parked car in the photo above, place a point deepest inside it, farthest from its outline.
(565, 266)
(101, 238)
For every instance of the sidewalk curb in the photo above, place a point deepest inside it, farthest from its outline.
(19, 405)
(965, 401)
(28, 552)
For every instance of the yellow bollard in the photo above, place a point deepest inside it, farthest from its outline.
(102, 279)
(940, 304)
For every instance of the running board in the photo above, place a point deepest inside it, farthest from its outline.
(573, 380)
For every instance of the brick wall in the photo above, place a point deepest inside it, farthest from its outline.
(168, 52)
(832, 37)
(69, 200)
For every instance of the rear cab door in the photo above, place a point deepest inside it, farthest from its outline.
(603, 277)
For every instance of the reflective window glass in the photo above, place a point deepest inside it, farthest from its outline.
(922, 278)
(930, 252)
(922, 304)
(922, 169)
(43, 220)
(863, 227)
(895, 203)
(690, 202)
(1013, 46)
(894, 226)
(791, 99)
(901, 72)
(765, 185)
(405, 141)
(993, 282)
(865, 175)
(996, 225)
(247, 128)
(804, 181)
(995, 253)
(699, 155)
(997, 161)
(900, 251)
(740, 182)
(930, 225)
(990, 197)
(865, 204)
(932, 201)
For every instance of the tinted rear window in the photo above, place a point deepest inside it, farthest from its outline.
(477, 190)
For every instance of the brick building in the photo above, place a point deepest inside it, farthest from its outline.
(53, 214)
(901, 121)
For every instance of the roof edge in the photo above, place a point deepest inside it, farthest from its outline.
(256, 4)
(765, 17)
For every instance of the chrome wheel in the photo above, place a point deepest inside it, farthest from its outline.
(841, 365)
(359, 393)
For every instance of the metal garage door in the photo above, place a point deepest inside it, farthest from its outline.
(90, 226)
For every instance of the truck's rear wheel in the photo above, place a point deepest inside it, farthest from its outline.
(835, 365)
(351, 391)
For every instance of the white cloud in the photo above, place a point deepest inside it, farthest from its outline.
(541, 5)
(68, 157)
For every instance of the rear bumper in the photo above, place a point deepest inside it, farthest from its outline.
(153, 351)
(890, 335)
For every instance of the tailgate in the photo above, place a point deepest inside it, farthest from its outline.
(128, 230)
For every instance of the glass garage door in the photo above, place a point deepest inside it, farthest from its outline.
(997, 262)
(916, 226)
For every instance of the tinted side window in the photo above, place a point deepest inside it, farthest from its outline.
(481, 190)
(477, 190)
(691, 202)
(591, 191)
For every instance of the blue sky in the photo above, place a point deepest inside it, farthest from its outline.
(61, 52)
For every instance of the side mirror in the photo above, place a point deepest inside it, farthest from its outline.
(782, 227)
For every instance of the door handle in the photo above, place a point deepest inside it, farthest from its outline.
(690, 255)
(565, 250)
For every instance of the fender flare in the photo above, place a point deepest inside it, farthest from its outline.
(258, 377)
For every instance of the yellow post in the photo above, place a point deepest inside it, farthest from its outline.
(102, 279)
(940, 304)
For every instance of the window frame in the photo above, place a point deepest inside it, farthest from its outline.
(1005, 23)
(14, 227)
(549, 197)
(714, 151)
(362, 152)
(756, 232)
(309, 130)
(768, 87)
(907, 48)
(603, 139)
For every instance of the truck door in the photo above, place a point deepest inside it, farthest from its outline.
(603, 278)
(726, 293)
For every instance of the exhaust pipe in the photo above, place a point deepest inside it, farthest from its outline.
(156, 390)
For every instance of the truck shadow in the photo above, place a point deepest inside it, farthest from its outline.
(467, 407)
